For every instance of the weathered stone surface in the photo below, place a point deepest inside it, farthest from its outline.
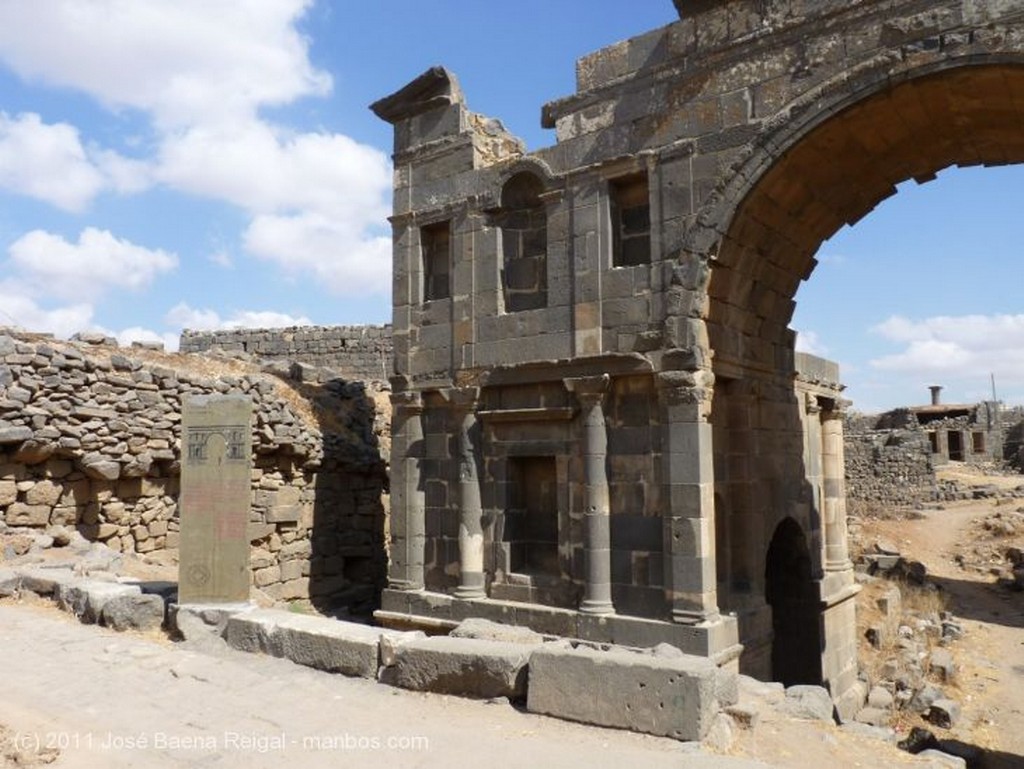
(468, 667)
(389, 643)
(85, 598)
(44, 581)
(317, 642)
(495, 631)
(667, 697)
(14, 433)
(941, 760)
(944, 713)
(810, 702)
(197, 622)
(880, 697)
(8, 492)
(134, 612)
(21, 514)
(214, 502)
(941, 664)
(10, 582)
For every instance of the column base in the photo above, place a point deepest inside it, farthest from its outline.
(684, 617)
(597, 607)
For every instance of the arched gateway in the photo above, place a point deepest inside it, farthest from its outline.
(602, 429)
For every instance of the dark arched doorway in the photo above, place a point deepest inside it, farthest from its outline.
(792, 592)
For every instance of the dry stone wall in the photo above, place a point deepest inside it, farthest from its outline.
(90, 434)
(889, 466)
(354, 352)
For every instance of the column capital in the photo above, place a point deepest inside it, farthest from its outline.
(409, 401)
(837, 410)
(588, 387)
(461, 398)
(693, 389)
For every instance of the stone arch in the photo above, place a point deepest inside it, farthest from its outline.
(792, 593)
(843, 152)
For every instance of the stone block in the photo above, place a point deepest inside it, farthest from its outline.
(317, 642)
(468, 667)
(475, 627)
(808, 702)
(134, 612)
(10, 582)
(944, 713)
(8, 492)
(20, 514)
(198, 621)
(670, 697)
(44, 581)
(85, 598)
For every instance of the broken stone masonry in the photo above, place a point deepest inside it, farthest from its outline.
(602, 429)
(90, 441)
(359, 353)
(892, 457)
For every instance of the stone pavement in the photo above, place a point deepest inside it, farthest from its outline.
(120, 700)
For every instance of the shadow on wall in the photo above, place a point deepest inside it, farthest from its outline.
(347, 557)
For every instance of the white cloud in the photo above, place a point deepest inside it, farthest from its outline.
(183, 316)
(810, 342)
(201, 72)
(184, 61)
(138, 334)
(17, 308)
(85, 269)
(959, 347)
(339, 258)
(46, 162)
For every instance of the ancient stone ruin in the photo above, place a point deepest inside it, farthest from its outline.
(601, 426)
(91, 439)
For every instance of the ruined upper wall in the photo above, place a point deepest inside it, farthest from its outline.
(355, 352)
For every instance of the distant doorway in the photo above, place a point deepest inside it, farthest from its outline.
(956, 445)
(796, 607)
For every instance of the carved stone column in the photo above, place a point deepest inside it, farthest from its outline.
(471, 535)
(837, 554)
(689, 495)
(597, 595)
(408, 533)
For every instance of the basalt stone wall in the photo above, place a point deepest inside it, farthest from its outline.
(354, 352)
(889, 466)
(90, 438)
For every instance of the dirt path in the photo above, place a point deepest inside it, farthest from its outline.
(990, 682)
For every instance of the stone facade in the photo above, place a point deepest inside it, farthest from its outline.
(358, 353)
(595, 380)
(90, 438)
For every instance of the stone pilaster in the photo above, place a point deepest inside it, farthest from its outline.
(471, 534)
(688, 478)
(837, 555)
(590, 392)
(408, 534)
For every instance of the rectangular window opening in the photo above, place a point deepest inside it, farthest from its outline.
(978, 443)
(631, 221)
(435, 248)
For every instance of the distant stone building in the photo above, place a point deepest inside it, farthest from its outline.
(891, 458)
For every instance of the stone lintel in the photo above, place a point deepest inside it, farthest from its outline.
(613, 364)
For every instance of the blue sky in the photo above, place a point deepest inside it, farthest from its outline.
(185, 163)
